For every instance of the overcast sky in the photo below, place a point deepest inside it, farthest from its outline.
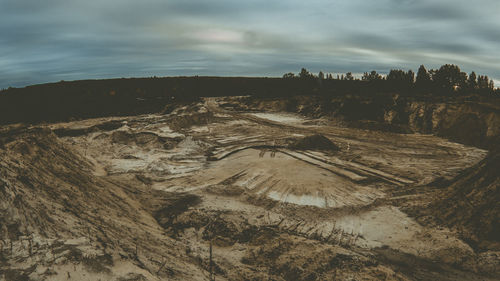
(52, 40)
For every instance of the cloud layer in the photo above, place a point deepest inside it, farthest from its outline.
(52, 40)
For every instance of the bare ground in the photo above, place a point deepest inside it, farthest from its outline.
(143, 197)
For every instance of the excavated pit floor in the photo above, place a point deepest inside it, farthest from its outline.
(246, 178)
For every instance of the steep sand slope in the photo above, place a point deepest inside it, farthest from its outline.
(60, 221)
(471, 203)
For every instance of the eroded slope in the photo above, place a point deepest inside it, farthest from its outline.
(143, 197)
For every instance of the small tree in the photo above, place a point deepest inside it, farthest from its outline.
(400, 79)
(289, 75)
(396, 76)
(321, 75)
(304, 74)
(449, 77)
(472, 81)
(423, 78)
(483, 82)
(410, 76)
(372, 76)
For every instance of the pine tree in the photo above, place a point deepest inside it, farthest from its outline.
(410, 77)
(321, 75)
(372, 76)
(304, 74)
(472, 81)
(449, 77)
(423, 78)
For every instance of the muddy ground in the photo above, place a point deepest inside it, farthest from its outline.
(278, 196)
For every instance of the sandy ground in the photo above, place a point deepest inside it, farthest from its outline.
(275, 212)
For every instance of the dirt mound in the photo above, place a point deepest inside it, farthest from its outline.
(315, 142)
(470, 203)
(179, 122)
(143, 139)
(282, 177)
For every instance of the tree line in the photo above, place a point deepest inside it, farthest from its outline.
(67, 100)
(444, 80)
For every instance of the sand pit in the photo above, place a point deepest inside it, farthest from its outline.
(286, 179)
(144, 197)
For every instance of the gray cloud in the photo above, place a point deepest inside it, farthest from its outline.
(52, 40)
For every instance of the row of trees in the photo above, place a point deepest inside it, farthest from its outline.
(448, 78)
(305, 74)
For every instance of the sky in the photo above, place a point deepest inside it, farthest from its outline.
(53, 40)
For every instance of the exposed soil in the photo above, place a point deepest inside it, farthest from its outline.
(472, 123)
(277, 196)
(471, 204)
(315, 142)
